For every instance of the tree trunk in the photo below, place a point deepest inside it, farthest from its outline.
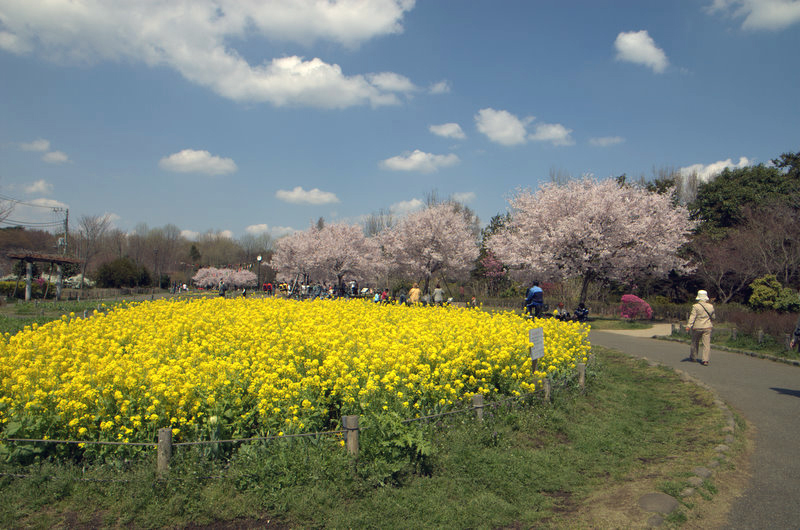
(587, 279)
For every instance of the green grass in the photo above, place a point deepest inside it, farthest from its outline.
(528, 465)
(15, 316)
(617, 323)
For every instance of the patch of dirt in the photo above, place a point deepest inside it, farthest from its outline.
(242, 524)
(563, 502)
(80, 521)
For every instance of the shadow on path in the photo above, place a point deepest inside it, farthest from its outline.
(786, 391)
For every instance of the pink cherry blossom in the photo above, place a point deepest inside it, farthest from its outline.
(333, 253)
(592, 230)
(437, 242)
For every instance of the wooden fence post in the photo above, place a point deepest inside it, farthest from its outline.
(582, 375)
(734, 333)
(350, 425)
(547, 387)
(760, 336)
(164, 451)
(477, 404)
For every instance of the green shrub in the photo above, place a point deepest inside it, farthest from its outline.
(122, 272)
(38, 289)
(769, 294)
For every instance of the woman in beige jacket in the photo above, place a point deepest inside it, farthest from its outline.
(700, 325)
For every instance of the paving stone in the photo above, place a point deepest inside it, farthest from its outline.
(687, 492)
(713, 464)
(655, 521)
(721, 448)
(702, 472)
(658, 502)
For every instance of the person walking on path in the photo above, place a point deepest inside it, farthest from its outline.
(700, 325)
(795, 336)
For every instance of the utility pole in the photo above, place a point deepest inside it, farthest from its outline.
(66, 231)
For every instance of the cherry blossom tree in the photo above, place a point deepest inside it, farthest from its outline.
(332, 252)
(241, 278)
(292, 255)
(436, 241)
(594, 230)
(209, 277)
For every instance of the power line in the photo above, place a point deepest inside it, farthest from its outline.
(31, 204)
(32, 224)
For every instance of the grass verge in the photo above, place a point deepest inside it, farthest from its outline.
(566, 464)
(723, 337)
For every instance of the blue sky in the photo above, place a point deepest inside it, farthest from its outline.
(247, 116)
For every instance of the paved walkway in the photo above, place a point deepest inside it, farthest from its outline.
(767, 393)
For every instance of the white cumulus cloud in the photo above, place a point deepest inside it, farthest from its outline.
(197, 161)
(55, 157)
(274, 231)
(448, 130)
(406, 207)
(706, 172)
(40, 186)
(191, 235)
(760, 14)
(465, 197)
(639, 47)
(419, 161)
(502, 127)
(442, 87)
(35, 211)
(555, 133)
(40, 145)
(392, 82)
(300, 196)
(198, 40)
(606, 141)
(13, 44)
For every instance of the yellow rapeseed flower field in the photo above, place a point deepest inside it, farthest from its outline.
(250, 367)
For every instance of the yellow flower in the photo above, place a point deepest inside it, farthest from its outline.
(267, 363)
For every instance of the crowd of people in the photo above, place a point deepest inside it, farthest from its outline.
(311, 291)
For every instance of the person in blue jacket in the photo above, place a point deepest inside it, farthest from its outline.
(534, 301)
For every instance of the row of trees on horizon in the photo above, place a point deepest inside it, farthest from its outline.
(665, 236)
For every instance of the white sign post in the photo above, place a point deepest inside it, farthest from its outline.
(536, 337)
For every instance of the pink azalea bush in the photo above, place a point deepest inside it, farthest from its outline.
(633, 307)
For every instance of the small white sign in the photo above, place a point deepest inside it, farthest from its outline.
(536, 336)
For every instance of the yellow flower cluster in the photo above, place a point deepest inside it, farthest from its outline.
(263, 366)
